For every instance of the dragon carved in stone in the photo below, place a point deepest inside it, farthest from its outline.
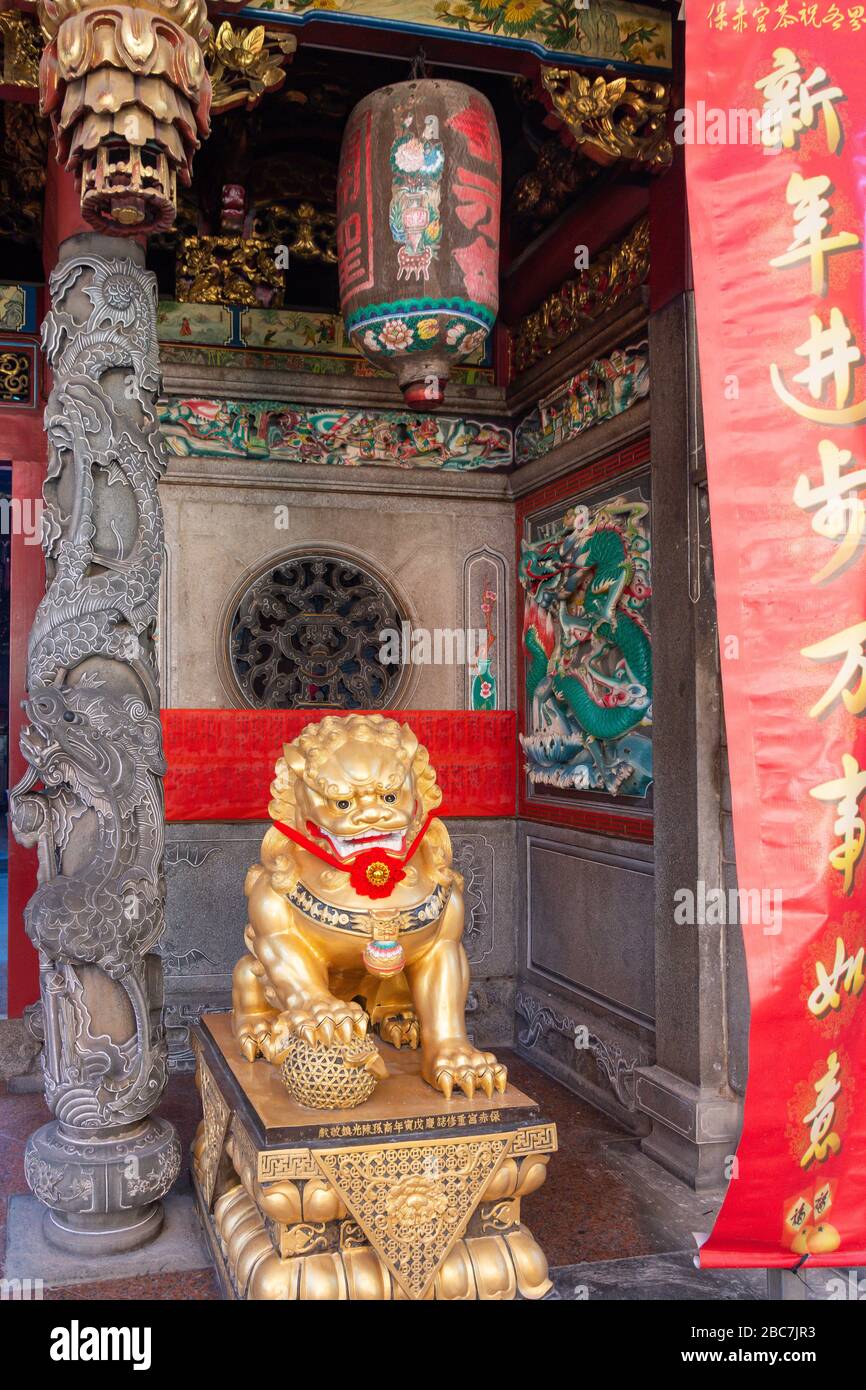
(91, 799)
(102, 592)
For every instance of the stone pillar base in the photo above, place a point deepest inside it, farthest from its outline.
(406, 1196)
(102, 1197)
(695, 1131)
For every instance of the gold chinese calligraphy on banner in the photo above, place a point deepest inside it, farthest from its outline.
(779, 290)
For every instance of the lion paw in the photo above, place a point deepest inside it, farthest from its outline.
(326, 1019)
(401, 1030)
(253, 1034)
(456, 1063)
(317, 1021)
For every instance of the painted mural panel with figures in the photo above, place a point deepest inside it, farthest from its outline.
(584, 572)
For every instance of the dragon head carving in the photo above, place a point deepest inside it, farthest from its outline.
(362, 782)
(92, 741)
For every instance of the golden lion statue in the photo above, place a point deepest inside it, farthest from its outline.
(355, 899)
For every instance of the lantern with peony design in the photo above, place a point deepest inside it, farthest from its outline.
(418, 230)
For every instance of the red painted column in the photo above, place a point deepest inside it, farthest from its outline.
(62, 217)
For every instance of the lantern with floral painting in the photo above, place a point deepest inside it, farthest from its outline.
(418, 230)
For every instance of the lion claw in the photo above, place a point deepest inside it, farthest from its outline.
(345, 1030)
(254, 1036)
(401, 1030)
(466, 1081)
(456, 1063)
(370, 1061)
(445, 1083)
(323, 1022)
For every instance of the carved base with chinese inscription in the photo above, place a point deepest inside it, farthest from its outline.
(407, 1196)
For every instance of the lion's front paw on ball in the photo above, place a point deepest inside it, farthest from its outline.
(325, 1021)
(458, 1065)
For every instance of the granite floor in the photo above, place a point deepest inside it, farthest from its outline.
(611, 1222)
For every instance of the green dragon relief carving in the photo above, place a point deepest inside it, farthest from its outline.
(588, 669)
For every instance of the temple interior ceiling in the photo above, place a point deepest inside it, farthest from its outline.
(280, 109)
(284, 154)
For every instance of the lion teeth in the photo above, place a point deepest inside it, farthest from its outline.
(351, 844)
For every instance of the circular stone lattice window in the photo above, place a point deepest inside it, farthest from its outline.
(307, 631)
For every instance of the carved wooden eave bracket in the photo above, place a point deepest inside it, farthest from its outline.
(128, 94)
(244, 64)
(610, 120)
(130, 87)
(612, 275)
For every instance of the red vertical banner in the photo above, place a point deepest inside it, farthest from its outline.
(775, 133)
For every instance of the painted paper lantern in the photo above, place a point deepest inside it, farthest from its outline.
(418, 230)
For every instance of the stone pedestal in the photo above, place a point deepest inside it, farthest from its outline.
(407, 1196)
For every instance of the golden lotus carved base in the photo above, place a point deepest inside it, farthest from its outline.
(407, 1196)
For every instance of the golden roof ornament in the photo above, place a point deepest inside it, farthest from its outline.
(611, 119)
(246, 64)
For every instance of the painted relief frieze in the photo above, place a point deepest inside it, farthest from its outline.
(605, 388)
(313, 341)
(609, 31)
(300, 434)
(484, 610)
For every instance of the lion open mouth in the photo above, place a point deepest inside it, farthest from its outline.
(347, 845)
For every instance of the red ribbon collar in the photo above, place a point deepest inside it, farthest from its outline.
(373, 873)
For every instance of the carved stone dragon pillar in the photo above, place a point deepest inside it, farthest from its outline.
(128, 96)
(93, 741)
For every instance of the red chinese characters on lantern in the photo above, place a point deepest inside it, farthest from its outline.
(482, 137)
(478, 200)
(355, 229)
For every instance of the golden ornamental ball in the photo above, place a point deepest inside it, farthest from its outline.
(337, 1077)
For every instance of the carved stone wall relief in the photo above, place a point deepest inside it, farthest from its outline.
(473, 858)
(617, 1069)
